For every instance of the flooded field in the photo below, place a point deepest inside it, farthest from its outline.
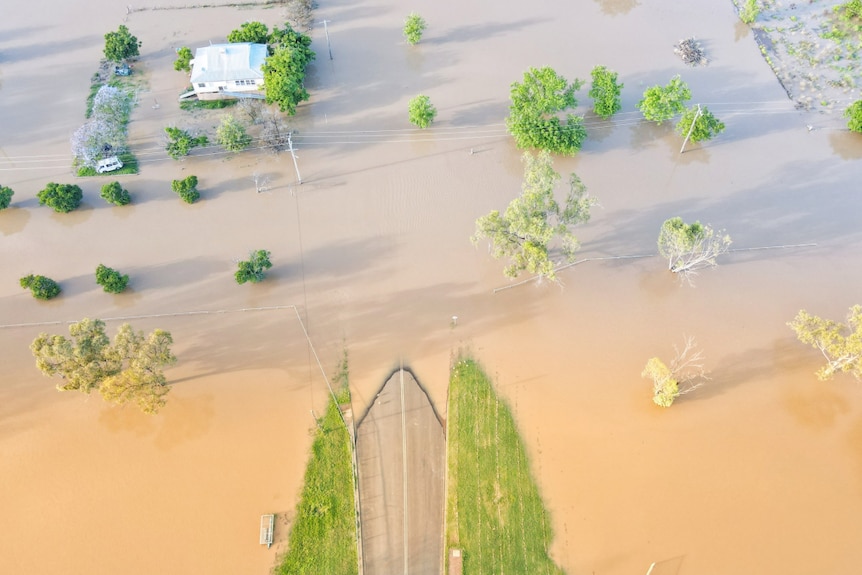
(760, 472)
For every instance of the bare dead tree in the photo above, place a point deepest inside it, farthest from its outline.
(261, 182)
(252, 109)
(299, 14)
(689, 248)
(274, 133)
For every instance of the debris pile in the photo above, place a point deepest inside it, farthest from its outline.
(691, 52)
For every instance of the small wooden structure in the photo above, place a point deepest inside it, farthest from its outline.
(267, 522)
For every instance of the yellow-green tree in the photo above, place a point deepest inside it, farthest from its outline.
(684, 375)
(840, 344)
(127, 370)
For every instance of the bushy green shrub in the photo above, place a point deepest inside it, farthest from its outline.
(40, 286)
(187, 189)
(110, 279)
(422, 112)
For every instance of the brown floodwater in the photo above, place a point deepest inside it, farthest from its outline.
(759, 472)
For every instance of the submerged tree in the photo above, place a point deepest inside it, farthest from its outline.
(114, 193)
(284, 70)
(231, 135)
(700, 123)
(41, 287)
(254, 269)
(254, 32)
(180, 142)
(662, 103)
(62, 198)
(684, 375)
(187, 189)
(421, 111)
(110, 279)
(840, 344)
(127, 370)
(533, 119)
(690, 247)
(6, 194)
(534, 219)
(853, 113)
(414, 26)
(605, 92)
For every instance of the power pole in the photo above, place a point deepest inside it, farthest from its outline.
(691, 129)
(295, 165)
(328, 45)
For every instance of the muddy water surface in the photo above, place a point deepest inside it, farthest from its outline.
(759, 472)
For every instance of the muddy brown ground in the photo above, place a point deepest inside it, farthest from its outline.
(761, 472)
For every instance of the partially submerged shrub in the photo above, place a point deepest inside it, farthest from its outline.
(40, 286)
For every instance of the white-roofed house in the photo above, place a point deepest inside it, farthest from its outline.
(228, 71)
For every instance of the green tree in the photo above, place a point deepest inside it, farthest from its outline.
(533, 120)
(414, 26)
(840, 344)
(605, 92)
(254, 32)
(40, 286)
(706, 127)
(662, 103)
(534, 219)
(187, 189)
(284, 70)
(6, 194)
(748, 11)
(63, 198)
(690, 247)
(231, 135)
(121, 45)
(853, 113)
(180, 142)
(254, 269)
(851, 10)
(183, 63)
(684, 375)
(422, 111)
(127, 370)
(110, 279)
(114, 193)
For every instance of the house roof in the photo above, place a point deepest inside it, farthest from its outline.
(224, 62)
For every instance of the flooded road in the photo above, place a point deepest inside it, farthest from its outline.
(761, 471)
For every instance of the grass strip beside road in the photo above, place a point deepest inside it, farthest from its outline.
(494, 512)
(323, 535)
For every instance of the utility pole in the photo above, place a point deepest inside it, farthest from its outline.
(691, 129)
(328, 45)
(295, 165)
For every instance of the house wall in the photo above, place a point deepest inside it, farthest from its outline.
(213, 90)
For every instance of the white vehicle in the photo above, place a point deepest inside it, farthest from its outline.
(109, 165)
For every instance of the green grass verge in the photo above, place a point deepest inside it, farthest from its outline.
(323, 536)
(494, 513)
(207, 104)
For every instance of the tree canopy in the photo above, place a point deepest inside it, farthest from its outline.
(114, 193)
(40, 286)
(180, 142)
(127, 370)
(254, 269)
(690, 247)
(254, 32)
(6, 194)
(121, 45)
(232, 135)
(414, 26)
(524, 232)
(853, 113)
(533, 119)
(110, 279)
(840, 344)
(184, 59)
(62, 198)
(421, 111)
(284, 70)
(186, 189)
(706, 126)
(605, 92)
(662, 103)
